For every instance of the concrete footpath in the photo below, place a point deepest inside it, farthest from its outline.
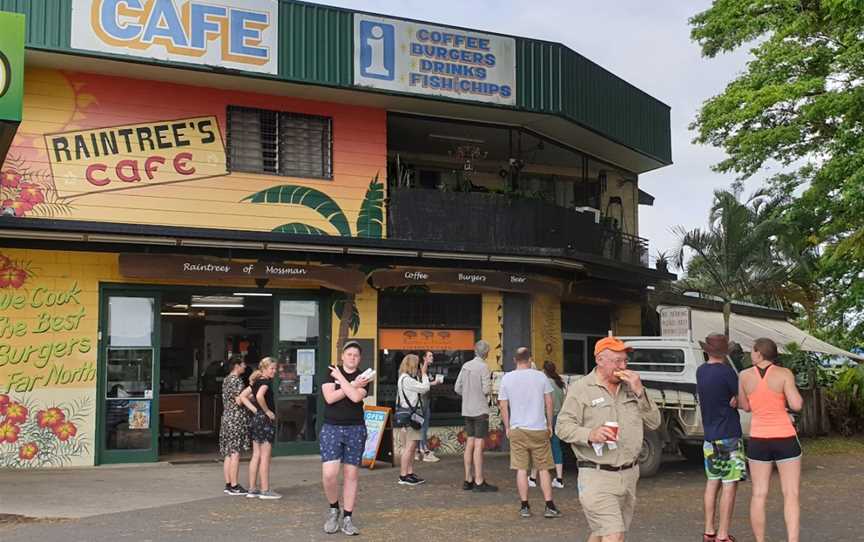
(165, 502)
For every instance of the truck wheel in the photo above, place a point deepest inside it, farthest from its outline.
(650, 455)
(692, 453)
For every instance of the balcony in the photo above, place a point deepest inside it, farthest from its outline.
(504, 222)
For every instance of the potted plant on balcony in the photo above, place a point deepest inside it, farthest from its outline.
(661, 261)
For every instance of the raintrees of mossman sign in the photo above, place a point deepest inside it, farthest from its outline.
(237, 34)
(419, 58)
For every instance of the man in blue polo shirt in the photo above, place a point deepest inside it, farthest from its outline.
(725, 463)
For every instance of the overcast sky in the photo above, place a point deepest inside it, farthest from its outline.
(647, 44)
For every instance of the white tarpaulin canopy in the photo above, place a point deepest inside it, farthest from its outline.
(746, 329)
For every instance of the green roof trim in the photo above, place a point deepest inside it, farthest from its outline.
(316, 47)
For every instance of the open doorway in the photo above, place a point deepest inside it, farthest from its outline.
(164, 358)
(200, 331)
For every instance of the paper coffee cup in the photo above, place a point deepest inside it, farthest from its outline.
(439, 379)
(614, 427)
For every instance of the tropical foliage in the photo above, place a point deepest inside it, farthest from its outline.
(798, 109)
(846, 402)
(733, 258)
(370, 224)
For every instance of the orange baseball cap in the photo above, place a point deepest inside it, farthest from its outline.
(611, 343)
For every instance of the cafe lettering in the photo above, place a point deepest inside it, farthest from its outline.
(241, 33)
(152, 153)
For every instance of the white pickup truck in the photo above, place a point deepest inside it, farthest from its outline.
(668, 366)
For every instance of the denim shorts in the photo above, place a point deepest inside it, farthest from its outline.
(343, 443)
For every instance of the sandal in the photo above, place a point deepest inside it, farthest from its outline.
(709, 537)
(730, 538)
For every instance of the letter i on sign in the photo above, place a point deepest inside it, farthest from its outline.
(377, 50)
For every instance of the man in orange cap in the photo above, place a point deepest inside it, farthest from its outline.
(603, 418)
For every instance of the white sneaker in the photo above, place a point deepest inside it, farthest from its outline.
(558, 483)
(532, 482)
(430, 457)
(269, 495)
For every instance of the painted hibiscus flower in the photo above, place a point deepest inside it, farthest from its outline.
(65, 430)
(28, 451)
(8, 432)
(12, 276)
(31, 194)
(493, 440)
(4, 402)
(19, 207)
(5, 262)
(462, 437)
(16, 413)
(9, 179)
(433, 443)
(50, 417)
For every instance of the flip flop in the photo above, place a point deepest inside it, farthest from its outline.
(709, 537)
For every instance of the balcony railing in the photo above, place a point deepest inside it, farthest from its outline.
(499, 221)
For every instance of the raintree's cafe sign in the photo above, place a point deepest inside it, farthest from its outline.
(148, 266)
(237, 34)
(135, 155)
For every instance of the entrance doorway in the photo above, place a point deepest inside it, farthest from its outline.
(517, 326)
(161, 385)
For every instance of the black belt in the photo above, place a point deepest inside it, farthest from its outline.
(592, 465)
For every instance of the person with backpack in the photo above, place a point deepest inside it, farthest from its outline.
(413, 383)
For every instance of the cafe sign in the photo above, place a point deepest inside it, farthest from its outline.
(493, 280)
(164, 266)
(237, 34)
(11, 77)
(415, 57)
(135, 155)
(426, 339)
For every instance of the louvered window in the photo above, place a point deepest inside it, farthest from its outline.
(287, 144)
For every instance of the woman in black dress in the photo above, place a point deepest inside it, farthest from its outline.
(234, 432)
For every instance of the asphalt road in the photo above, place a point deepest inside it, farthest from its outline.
(669, 509)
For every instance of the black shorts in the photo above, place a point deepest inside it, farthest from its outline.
(773, 450)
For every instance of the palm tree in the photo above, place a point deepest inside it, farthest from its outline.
(734, 258)
(370, 223)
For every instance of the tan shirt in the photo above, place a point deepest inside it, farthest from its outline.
(589, 405)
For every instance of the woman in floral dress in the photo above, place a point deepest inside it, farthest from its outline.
(234, 433)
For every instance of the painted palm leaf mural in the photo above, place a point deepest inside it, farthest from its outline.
(321, 203)
(370, 224)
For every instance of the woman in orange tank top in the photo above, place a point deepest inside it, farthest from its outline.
(767, 390)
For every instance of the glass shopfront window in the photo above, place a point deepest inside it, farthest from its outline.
(448, 325)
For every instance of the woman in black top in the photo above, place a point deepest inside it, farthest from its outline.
(258, 398)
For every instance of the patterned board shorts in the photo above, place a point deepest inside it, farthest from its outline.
(725, 460)
(344, 443)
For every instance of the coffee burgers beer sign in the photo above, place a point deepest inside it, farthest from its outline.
(489, 280)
